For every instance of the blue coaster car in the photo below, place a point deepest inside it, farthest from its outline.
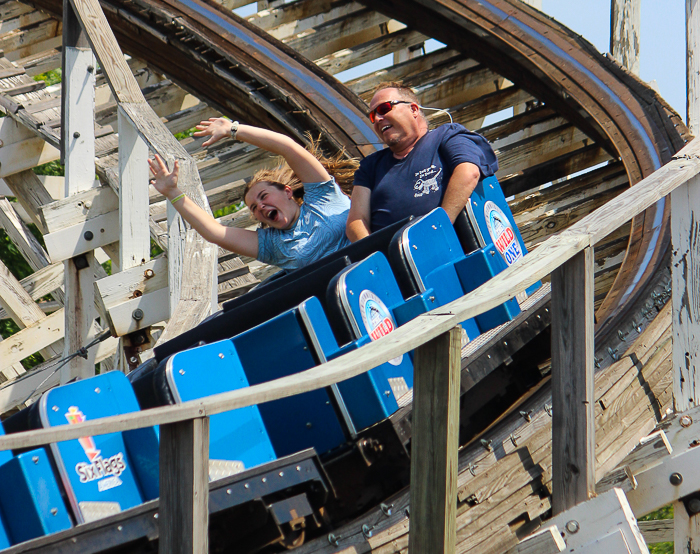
(365, 304)
(428, 255)
(104, 474)
(282, 346)
(494, 224)
(237, 439)
(30, 499)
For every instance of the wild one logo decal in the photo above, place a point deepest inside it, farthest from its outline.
(107, 470)
(377, 318)
(426, 181)
(502, 233)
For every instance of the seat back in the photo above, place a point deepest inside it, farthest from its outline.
(281, 347)
(97, 472)
(494, 223)
(362, 300)
(30, 498)
(425, 252)
(238, 439)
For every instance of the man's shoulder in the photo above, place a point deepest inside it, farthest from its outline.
(375, 157)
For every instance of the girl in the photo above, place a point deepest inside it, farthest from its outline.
(293, 232)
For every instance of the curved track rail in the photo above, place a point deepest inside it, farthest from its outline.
(508, 52)
(238, 68)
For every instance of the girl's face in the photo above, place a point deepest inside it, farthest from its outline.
(272, 206)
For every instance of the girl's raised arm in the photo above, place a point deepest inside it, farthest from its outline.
(240, 241)
(303, 163)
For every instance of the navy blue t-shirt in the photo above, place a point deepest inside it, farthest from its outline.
(416, 184)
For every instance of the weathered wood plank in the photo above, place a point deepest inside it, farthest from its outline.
(546, 541)
(659, 530)
(78, 208)
(573, 431)
(22, 237)
(625, 24)
(83, 238)
(357, 55)
(346, 32)
(32, 339)
(184, 487)
(78, 152)
(435, 442)
(685, 270)
(608, 515)
(134, 238)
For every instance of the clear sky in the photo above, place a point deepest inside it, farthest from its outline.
(662, 56)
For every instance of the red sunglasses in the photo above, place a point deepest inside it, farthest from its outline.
(384, 108)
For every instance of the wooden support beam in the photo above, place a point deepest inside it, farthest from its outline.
(434, 444)
(143, 287)
(292, 19)
(655, 486)
(603, 524)
(32, 339)
(78, 208)
(685, 232)
(22, 237)
(357, 55)
(346, 32)
(184, 487)
(78, 152)
(692, 36)
(44, 377)
(573, 431)
(540, 148)
(134, 237)
(625, 23)
(27, 37)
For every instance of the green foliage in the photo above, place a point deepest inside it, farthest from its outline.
(50, 168)
(50, 77)
(12, 257)
(185, 134)
(664, 513)
(229, 209)
(155, 249)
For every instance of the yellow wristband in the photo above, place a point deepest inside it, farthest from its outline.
(177, 198)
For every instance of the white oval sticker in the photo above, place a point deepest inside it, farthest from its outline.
(502, 233)
(377, 318)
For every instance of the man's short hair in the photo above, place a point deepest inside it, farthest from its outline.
(406, 93)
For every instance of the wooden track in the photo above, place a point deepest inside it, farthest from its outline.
(573, 112)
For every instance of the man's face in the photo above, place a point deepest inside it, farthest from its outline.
(400, 127)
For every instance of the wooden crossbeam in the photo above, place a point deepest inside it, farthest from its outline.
(357, 55)
(346, 32)
(296, 17)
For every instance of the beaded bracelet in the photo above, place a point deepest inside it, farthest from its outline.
(177, 198)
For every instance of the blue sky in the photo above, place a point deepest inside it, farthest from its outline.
(662, 39)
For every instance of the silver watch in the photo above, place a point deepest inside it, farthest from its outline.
(234, 129)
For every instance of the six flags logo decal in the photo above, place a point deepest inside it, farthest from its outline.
(98, 466)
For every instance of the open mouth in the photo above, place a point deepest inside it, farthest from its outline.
(272, 215)
(386, 127)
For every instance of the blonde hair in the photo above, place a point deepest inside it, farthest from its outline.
(339, 166)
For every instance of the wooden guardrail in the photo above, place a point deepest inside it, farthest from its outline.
(568, 256)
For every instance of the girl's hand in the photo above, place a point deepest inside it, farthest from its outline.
(164, 181)
(216, 128)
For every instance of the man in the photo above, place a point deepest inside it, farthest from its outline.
(420, 170)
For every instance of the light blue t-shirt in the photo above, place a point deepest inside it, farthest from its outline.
(319, 231)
